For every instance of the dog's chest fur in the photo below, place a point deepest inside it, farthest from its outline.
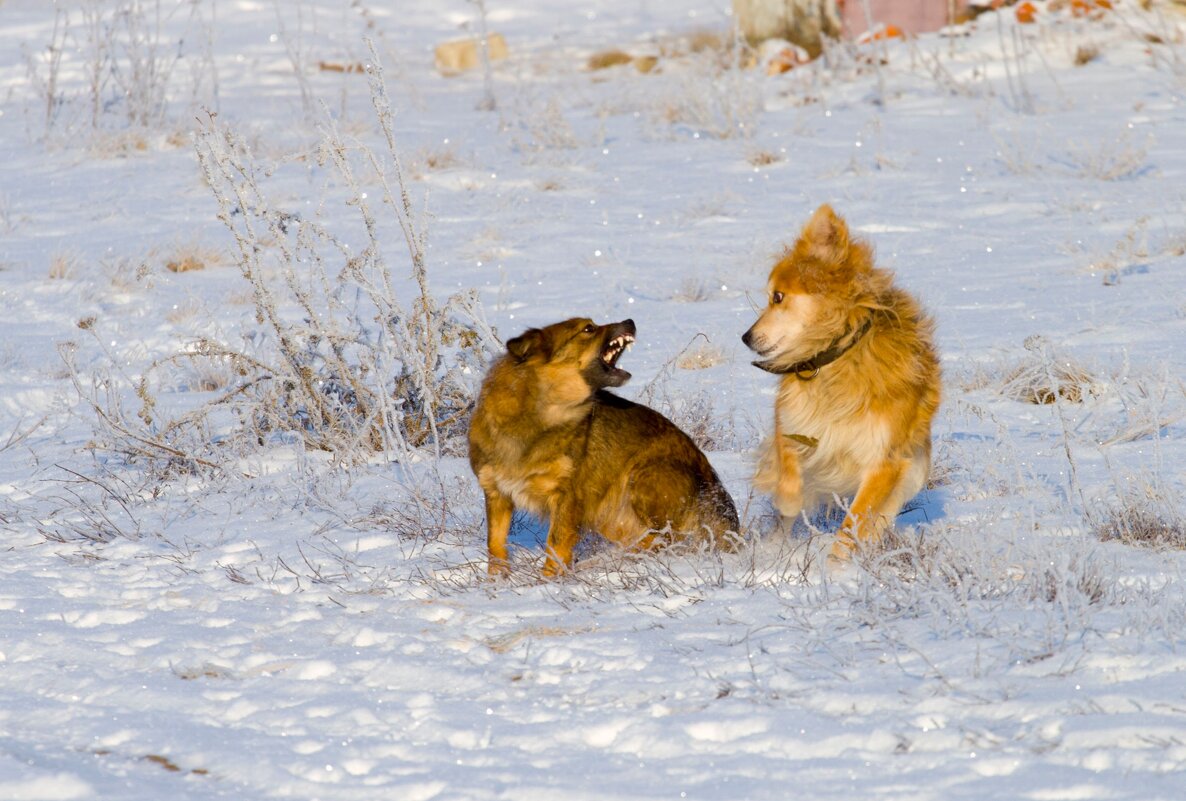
(531, 469)
(836, 435)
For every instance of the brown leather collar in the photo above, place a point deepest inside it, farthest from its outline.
(809, 368)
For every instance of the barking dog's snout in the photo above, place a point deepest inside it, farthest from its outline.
(748, 338)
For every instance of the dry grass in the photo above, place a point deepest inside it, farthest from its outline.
(706, 106)
(185, 311)
(63, 265)
(1085, 54)
(193, 256)
(608, 58)
(1129, 253)
(705, 92)
(705, 207)
(692, 290)
(1110, 160)
(351, 357)
(700, 356)
(914, 571)
(704, 41)
(487, 247)
(909, 556)
(540, 126)
(763, 158)
(118, 144)
(1039, 384)
(435, 159)
(1144, 517)
(1134, 252)
(208, 374)
(695, 414)
(1036, 378)
(128, 274)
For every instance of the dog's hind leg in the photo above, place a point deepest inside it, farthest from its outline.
(662, 498)
(563, 534)
(882, 492)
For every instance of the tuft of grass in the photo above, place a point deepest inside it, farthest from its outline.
(1085, 54)
(1080, 578)
(1038, 377)
(193, 256)
(1040, 385)
(705, 93)
(763, 158)
(704, 41)
(700, 356)
(185, 264)
(434, 159)
(185, 311)
(1111, 160)
(1144, 519)
(608, 58)
(908, 555)
(692, 291)
(127, 274)
(540, 126)
(63, 265)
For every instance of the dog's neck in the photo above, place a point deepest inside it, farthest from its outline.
(809, 368)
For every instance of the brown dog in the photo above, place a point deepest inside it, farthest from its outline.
(546, 437)
(860, 383)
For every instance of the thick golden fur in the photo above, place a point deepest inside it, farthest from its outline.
(861, 428)
(545, 436)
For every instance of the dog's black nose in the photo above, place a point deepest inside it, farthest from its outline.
(748, 338)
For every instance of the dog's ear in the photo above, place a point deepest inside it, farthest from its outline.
(826, 235)
(529, 342)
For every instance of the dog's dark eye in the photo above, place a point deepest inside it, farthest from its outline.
(590, 328)
(776, 298)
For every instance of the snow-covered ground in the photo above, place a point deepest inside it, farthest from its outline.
(285, 627)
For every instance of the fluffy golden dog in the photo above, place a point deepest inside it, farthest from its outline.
(859, 386)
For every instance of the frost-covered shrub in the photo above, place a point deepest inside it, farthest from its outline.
(346, 362)
(350, 353)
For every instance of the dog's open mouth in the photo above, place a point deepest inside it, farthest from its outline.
(618, 340)
(615, 348)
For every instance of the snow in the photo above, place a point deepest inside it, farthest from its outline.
(289, 627)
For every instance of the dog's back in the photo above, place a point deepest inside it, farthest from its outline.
(643, 473)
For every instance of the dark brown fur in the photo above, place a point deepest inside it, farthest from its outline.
(546, 437)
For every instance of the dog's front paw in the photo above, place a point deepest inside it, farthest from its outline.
(842, 548)
(554, 568)
(788, 502)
